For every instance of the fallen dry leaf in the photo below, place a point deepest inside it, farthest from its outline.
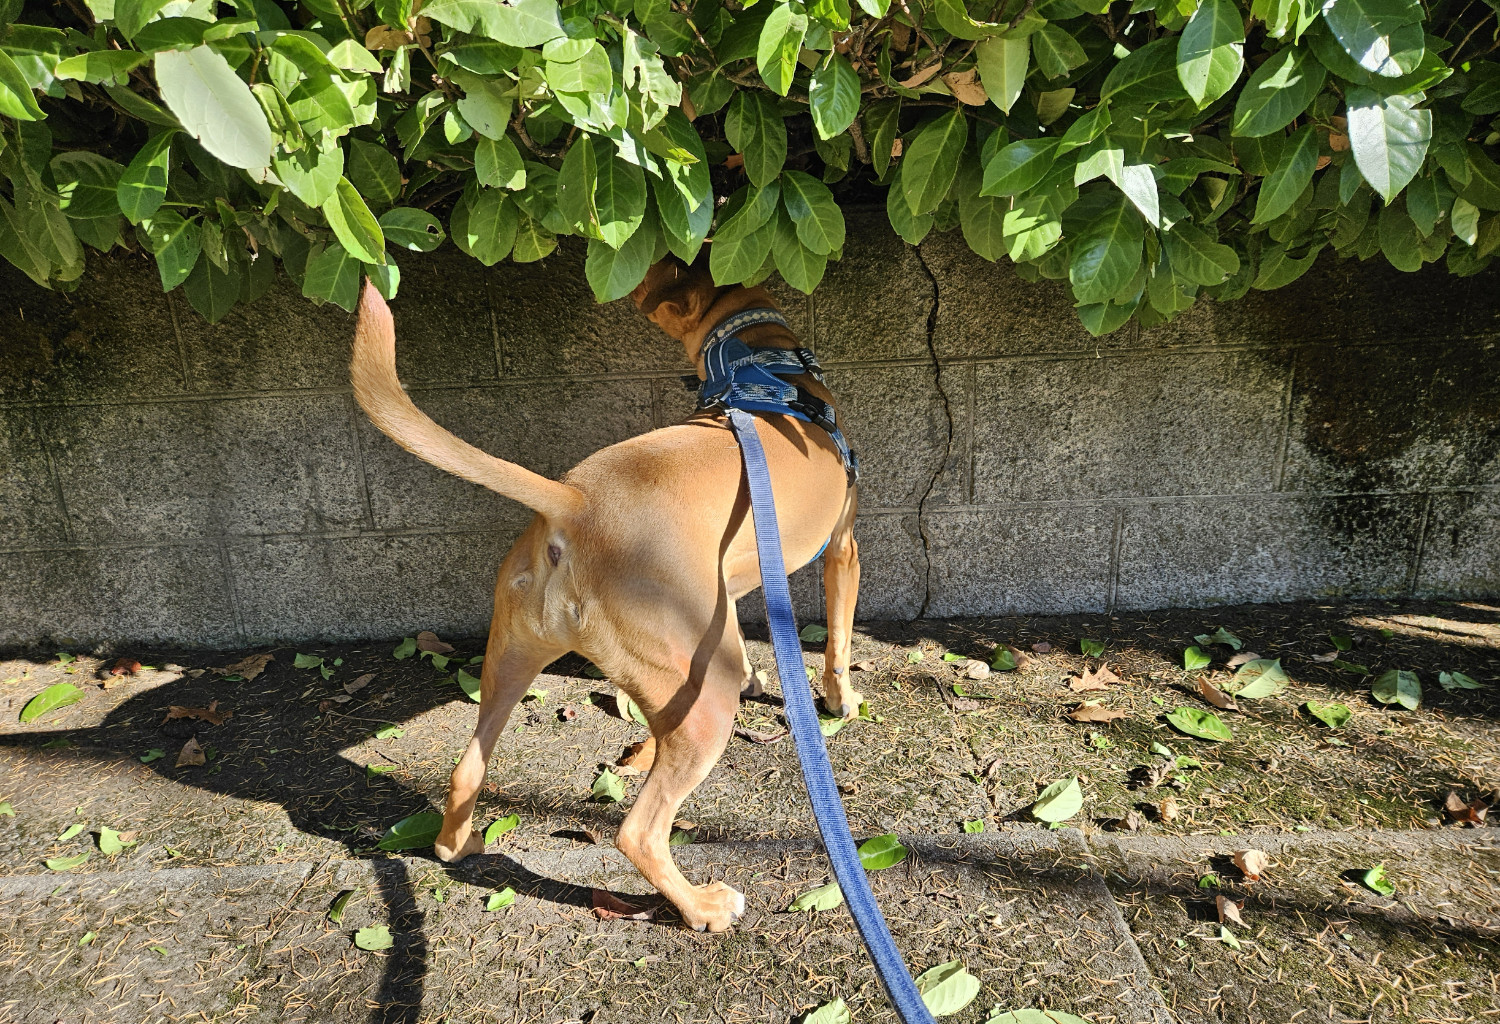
(428, 641)
(1022, 659)
(1215, 696)
(1323, 659)
(684, 824)
(1252, 862)
(966, 88)
(975, 669)
(863, 666)
(1091, 712)
(1149, 776)
(1466, 813)
(125, 667)
(1042, 648)
(1242, 658)
(759, 737)
(924, 75)
(608, 907)
(1093, 679)
(192, 754)
(641, 756)
(1167, 809)
(249, 667)
(211, 714)
(1229, 911)
(360, 683)
(1133, 821)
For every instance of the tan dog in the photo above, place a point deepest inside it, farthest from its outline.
(635, 560)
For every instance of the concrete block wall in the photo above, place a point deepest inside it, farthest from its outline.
(168, 480)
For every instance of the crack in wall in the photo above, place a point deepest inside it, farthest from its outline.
(937, 380)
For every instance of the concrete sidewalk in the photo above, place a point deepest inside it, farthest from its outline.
(219, 910)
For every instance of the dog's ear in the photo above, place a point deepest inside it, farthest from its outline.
(675, 296)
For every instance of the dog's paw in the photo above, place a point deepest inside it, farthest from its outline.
(453, 853)
(847, 706)
(715, 907)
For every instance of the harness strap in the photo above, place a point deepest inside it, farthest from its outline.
(802, 718)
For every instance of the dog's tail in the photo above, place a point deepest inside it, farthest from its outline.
(379, 393)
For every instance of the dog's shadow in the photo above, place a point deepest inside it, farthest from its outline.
(322, 792)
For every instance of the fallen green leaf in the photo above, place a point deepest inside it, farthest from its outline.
(1228, 938)
(1030, 1016)
(71, 831)
(417, 832)
(1454, 681)
(629, 709)
(1220, 636)
(1162, 749)
(680, 837)
(1004, 660)
(374, 938)
(1349, 666)
(951, 657)
(1059, 801)
(159, 950)
(307, 661)
(470, 685)
(405, 649)
(500, 900)
(813, 633)
(389, 732)
(110, 842)
(154, 754)
(336, 908)
(372, 770)
(947, 988)
(1091, 648)
(608, 787)
(1333, 715)
(500, 826)
(68, 863)
(912, 657)
(64, 658)
(1398, 686)
(881, 852)
(830, 725)
(974, 827)
(6, 810)
(1209, 881)
(1203, 724)
(824, 897)
(1375, 880)
(1258, 679)
(830, 1013)
(88, 937)
(1342, 643)
(58, 695)
(1193, 659)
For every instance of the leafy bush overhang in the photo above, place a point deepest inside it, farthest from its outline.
(1142, 151)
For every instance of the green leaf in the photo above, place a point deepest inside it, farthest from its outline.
(469, 684)
(1197, 258)
(58, 695)
(1259, 678)
(1220, 635)
(388, 732)
(1002, 63)
(1398, 686)
(16, 99)
(521, 23)
(417, 832)
(1059, 801)
(110, 842)
(881, 852)
(1106, 254)
(500, 900)
(1383, 36)
(132, 15)
(497, 163)
(500, 826)
(813, 633)
(154, 754)
(1455, 681)
(375, 172)
(1333, 715)
(754, 127)
(68, 863)
(485, 105)
(1029, 1016)
(1278, 91)
(214, 106)
(353, 224)
(418, 231)
(608, 787)
(1205, 725)
(306, 661)
(1018, 167)
(734, 260)
(333, 276)
(833, 96)
(1056, 51)
(484, 225)
(312, 172)
(835, 1012)
(98, 66)
(407, 647)
(1193, 659)
(931, 161)
(614, 273)
(339, 904)
(947, 988)
(825, 897)
(1091, 648)
(1375, 880)
(799, 266)
(71, 831)
(374, 938)
(211, 291)
(1389, 138)
(1210, 51)
(177, 244)
(780, 41)
(143, 186)
(819, 222)
(1147, 75)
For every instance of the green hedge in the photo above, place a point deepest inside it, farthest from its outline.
(1143, 151)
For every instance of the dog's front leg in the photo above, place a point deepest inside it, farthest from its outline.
(509, 668)
(841, 585)
(689, 743)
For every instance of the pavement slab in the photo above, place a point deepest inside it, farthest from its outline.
(219, 907)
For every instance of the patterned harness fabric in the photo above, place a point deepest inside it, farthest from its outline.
(741, 377)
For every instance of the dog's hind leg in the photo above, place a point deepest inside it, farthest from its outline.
(691, 730)
(509, 668)
(841, 585)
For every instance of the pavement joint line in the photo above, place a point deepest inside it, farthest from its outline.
(1145, 980)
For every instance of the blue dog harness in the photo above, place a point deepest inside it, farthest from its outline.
(740, 377)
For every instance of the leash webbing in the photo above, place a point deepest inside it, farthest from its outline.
(802, 718)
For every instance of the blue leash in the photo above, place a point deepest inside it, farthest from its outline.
(802, 717)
